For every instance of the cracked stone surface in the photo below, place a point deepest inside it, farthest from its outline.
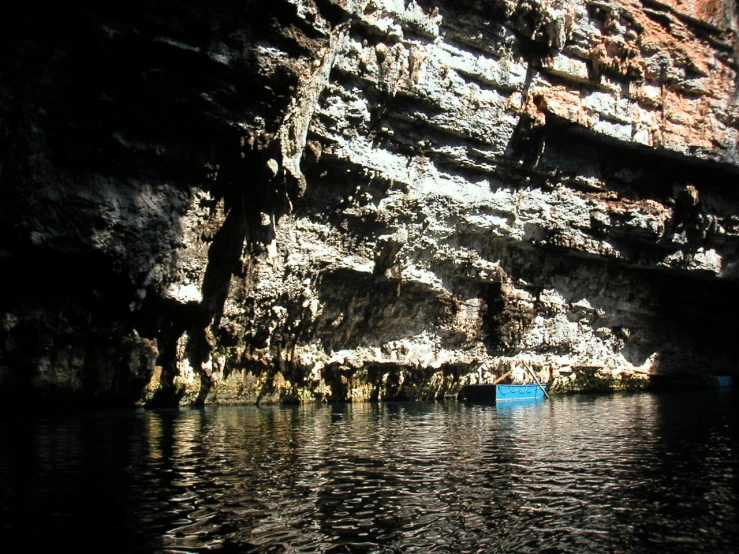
(364, 200)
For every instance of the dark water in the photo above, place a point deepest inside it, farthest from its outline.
(623, 473)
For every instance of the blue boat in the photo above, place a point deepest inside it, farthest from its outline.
(503, 393)
(510, 393)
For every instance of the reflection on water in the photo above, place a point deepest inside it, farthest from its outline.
(627, 473)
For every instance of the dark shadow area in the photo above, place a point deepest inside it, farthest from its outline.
(685, 318)
(52, 316)
(504, 321)
(650, 171)
(59, 470)
(701, 313)
(361, 309)
(110, 116)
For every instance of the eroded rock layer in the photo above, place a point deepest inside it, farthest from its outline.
(346, 200)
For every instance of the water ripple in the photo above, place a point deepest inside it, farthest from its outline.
(577, 474)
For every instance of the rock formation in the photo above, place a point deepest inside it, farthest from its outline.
(365, 199)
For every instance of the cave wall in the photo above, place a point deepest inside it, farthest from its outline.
(345, 200)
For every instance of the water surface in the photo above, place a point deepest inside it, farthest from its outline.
(621, 473)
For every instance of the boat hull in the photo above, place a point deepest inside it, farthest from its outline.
(503, 393)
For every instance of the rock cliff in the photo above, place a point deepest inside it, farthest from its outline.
(365, 199)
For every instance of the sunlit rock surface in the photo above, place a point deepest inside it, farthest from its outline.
(347, 200)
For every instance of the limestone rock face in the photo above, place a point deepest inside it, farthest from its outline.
(344, 200)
